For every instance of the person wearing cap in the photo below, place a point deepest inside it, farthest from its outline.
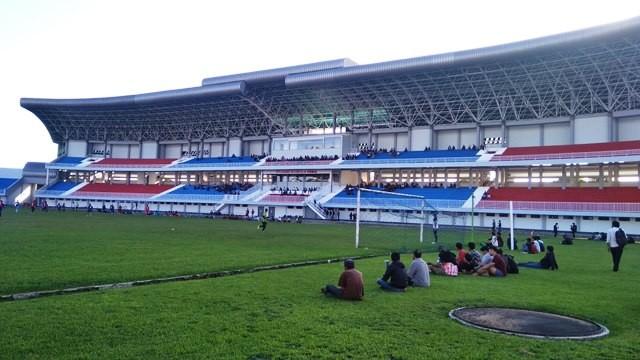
(418, 271)
(497, 267)
(350, 285)
(394, 278)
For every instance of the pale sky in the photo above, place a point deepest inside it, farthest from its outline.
(87, 48)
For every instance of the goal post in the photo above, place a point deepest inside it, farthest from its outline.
(411, 202)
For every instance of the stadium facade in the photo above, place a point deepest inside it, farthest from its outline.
(551, 124)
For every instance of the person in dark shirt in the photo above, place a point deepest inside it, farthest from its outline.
(497, 267)
(350, 285)
(547, 262)
(395, 277)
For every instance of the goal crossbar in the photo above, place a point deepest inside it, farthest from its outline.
(425, 206)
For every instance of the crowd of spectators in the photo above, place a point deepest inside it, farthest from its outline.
(351, 189)
(294, 191)
(371, 151)
(233, 188)
(304, 158)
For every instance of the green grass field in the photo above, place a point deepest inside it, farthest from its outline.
(280, 314)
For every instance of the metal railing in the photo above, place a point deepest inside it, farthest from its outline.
(561, 206)
(382, 203)
(297, 163)
(576, 155)
(410, 161)
(214, 165)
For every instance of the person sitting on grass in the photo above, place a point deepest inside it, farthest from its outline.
(395, 277)
(446, 264)
(350, 285)
(474, 256)
(486, 257)
(547, 262)
(497, 267)
(418, 272)
(531, 247)
(461, 258)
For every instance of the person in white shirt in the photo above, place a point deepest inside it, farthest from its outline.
(614, 248)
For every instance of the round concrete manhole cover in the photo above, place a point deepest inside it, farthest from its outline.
(528, 323)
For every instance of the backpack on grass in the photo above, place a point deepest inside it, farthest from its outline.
(512, 265)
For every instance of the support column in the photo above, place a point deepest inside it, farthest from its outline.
(434, 139)
(479, 134)
(409, 142)
(563, 182)
(335, 122)
(503, 131)
(572, 129)
(529, 177)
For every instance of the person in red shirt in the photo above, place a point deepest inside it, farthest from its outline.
(350, 285)
(497, 267)
(461, 258)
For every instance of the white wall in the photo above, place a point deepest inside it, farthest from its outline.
(149, 150)
(591, 129)
(216, 149)
(557, 134)
(492, 131)
(134, 152)
(172, 151)
(77, 148)
(420, 138)
(447, 138)
(467, 137)
(628, 128)
(255, 147)
(119, 151)
(385, 141)
(235, 147)
(402, 141)
(524, 135)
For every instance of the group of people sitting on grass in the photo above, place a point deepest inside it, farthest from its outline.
(489, 261)
(396, 278)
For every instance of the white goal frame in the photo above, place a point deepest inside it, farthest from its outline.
(424, 206)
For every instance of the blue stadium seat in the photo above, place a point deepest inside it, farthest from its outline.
(69, 160)
(416, 156)
(218, 161)
(436, 197)
(62, 186)
(5, 183)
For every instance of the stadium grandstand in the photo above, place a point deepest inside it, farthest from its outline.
(550, 125)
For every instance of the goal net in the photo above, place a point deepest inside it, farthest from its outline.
(404, 222)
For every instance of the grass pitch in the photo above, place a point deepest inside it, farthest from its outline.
(280, 314)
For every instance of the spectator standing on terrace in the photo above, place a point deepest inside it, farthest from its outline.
(493, 225)
(17, 206)
(350, 285)
(1, 207)
(394, 278)
(418, 271)
(33, 205)
(574, 230)
(613, 235)
(555, 230)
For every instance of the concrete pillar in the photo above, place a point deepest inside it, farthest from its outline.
(503, 132)
(572, 129)
(563, 180)
(409, 142)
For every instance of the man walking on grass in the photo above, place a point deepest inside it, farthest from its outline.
(616, 238)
